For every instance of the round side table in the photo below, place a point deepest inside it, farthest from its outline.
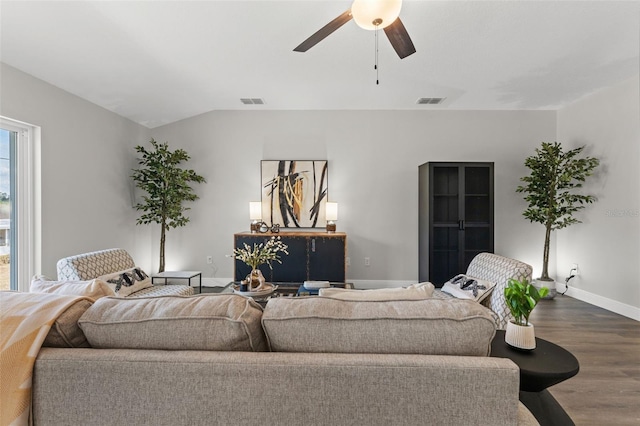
(545, 366)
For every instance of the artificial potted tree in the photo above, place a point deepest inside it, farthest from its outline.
(167, 187)
(521, 298)
(550, 190)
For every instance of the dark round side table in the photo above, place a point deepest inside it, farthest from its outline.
(545, 366)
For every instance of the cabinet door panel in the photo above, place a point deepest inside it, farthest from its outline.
(447, 262)
(477, 208)
(477, 180)
(294, 265)
(327, 259)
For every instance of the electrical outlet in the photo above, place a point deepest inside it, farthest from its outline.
(575, 269)
(209, 260)
(367, 261)
(348, 261)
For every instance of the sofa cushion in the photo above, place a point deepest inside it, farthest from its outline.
(412, 292)
(128, 281)
(94, 289)
(225, 322)
(467, 287)
(429, 326)
(65, 332)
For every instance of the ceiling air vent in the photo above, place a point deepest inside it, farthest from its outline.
(252, 101)
(430, 101)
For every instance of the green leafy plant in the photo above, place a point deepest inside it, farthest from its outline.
(261, 253)
(521, 298)
(167, 188)
(550, 190)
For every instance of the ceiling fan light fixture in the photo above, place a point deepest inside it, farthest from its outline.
(367, 13)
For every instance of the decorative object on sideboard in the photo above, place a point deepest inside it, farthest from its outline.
(263, 228)
(294, 193)
(255, 215)
(521, 298)
(167, 186)
(256, 255)
(331, 214)
(550, 190)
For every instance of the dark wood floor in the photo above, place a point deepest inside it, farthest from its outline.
(606, 391)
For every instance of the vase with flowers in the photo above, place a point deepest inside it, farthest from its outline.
(257, 255)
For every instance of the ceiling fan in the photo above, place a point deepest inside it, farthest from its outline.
(370, 15)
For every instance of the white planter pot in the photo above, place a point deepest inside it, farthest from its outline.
(551, 285)
(519, 336)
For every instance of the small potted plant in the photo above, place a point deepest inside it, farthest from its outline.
(258, 255)
(521, 298)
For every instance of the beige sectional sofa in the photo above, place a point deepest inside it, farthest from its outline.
(223, 360)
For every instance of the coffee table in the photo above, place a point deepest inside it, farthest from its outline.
(548, 364)
(285, 289)
(178, 275)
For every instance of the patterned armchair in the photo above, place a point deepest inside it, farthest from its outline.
(498, 269)
(91, 265)
(88, 266)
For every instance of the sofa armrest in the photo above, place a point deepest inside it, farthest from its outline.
(498, 269)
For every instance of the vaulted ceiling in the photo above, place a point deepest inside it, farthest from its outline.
(157, 62)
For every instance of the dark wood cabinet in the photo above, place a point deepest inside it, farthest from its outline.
(455, 217)
(313, 256)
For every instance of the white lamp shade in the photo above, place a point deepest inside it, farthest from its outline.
(255, 210)
(331, 212)
(364, 12)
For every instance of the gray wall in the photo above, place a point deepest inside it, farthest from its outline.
(606, 245)
(373, 175)
(86, 162)
(87, 156)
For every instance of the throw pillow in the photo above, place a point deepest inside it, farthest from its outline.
(128, 281)
(93, 289)
(428, 326)
(413, 292)
(466, 287)
(209, 322)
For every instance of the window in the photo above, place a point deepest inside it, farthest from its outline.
(19, 204)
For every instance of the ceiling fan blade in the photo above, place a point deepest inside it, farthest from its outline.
(399, 38)
(323, 32)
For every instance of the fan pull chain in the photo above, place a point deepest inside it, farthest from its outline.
(375, 67)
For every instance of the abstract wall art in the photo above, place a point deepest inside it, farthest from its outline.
(294, 193)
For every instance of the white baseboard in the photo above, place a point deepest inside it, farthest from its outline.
(602, 302)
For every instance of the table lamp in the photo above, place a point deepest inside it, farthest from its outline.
(255, 215)
(331, 214)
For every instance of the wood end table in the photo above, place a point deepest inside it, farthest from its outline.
(548, 364)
